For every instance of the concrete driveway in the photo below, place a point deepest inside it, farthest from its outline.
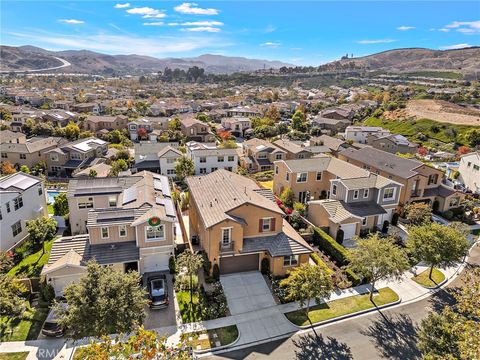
(246, 292)
(160, 318)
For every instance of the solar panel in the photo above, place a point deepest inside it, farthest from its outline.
(19, 181)
(157, 184)
(169, 208)
(165, 186)
(129, 195)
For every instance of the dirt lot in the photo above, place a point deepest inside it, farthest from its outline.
(442, 111)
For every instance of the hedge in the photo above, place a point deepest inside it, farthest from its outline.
(317, 260)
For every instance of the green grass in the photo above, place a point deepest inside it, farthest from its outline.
(424, 280)
(443, 132)
(50, 209)
(189, 313)
(32, 265)
(14, 356)
(225, 335)
(266, 184)
(25, 327)
(336, 308)
(436, 74)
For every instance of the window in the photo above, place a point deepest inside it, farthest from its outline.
(23, 156)
(334, 189)
(319, 176)
(170, 160)
(170, 171)
(287, 177)
(88, 204)
(8, 207)
(476, 167)
(278, 157)
(155, 233)
(203, 159)
(104, 232)
(1, 217)
(263, 156)
(301, 156)
(355, 194)
(231, 158)
(291, 260)
(213, 169)
(365, 193)
(4, 156)
(122, 230)
(112, 201)
(266, 224)
(432, 179)
(17, 228)
(364, 221)
(40, 191)
(226, 236)
(220, 158)
(54, 157)
(75, 156)
(276, 170)
(389, 194)
(56, 168)
(301, 177)
(469, 163)
(454, 202)
(203, 170)
(17, 203)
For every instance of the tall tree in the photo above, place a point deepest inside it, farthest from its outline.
(298, 121)
(11, 302)
(175, 124)
(191, 262)
(378, 259)
(60, 206)
(72, 131)
(184, 167)
(437, 245)
(6, 168)
(307, 282)
(104, 301)
(41, 229)
(272, 113)
(418, 213)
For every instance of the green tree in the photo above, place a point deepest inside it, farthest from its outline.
(228, 144)
(437, 245)
(175, 125)
(190, 262)
(104, 301)
(273, 114)
(307, 282)
(203, 117)
(117, 167)
(378, 259)
(473, 137)
(60, 205)
(418, 213)
(184, 167)
(72, 131)
(41, 229)
(92, 173)
(5, 262)
(298, 121)
(12, 304)
(287, 197)
(25, 169)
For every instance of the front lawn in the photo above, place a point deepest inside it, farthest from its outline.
(208, 339)
(336, 308)
(32, 265)
(25, 327)
(14, 356)
(189, 313)
(424, 279)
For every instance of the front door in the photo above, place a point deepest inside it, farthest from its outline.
(131, 266)
(302, 197)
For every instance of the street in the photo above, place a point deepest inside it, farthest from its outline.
(389, 334)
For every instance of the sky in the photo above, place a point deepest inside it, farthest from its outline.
(301, 33)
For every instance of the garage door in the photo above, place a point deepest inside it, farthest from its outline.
(155, 262)
(233, 264)
(59, 284)
(349, 230)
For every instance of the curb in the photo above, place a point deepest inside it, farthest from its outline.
(218, 348)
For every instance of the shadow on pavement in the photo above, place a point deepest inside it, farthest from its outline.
(311, 347)
(394, 336)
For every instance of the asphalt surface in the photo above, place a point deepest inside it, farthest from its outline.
(386, 334)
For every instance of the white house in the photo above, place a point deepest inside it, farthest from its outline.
(167, 158)
(147, 155)
(469, 170)
(207, 157)
(22, 198)
(359, 134)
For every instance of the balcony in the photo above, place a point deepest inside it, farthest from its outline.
(227, 248)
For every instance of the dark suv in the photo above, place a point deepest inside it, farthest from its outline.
(157, 291)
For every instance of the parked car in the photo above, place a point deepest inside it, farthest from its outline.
(158, 291)
(51, 326)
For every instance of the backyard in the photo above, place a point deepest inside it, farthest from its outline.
(24, 327)
(32, 263)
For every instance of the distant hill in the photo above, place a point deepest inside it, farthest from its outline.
(28, 58)
(465, 61)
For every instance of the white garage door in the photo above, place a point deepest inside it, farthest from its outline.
(60, 283)
(155, 262)
(348, 230)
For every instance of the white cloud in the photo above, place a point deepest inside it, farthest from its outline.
(147, 12)
(122, 6)
(456, 46)
(444, 30)
(405, 28)
(379, 41)
(71, 21)
(156, 23)
(269, 29)
(202, 29)
(271, 44)
(465, 27)
(197, 23)
(192, 8)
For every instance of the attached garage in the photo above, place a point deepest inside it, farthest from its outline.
(233, 264)
(155, 262)
(349, 230)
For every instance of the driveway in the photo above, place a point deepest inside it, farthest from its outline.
(160, 318)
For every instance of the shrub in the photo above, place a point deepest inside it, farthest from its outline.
(395, 219)
(47, 293)
(317, 260)
(448, 214)
(299, 207)
(385, 226)
(265, 266)
(354, 278)
(207, 264)
(171, 265)
(331, 247)
(340, 235)
(216, 272)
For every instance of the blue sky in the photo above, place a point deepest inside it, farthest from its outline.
(307, 33)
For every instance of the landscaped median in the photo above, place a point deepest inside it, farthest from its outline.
(213, 338)
(342, 307)
(424, 279)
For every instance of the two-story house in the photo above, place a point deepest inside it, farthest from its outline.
(97, 123)
(238, 224)
(30, 152)
(236, 125)
(156, 157)
(469, 170)
(293, 150)
(7, 136)
(259, 155)
(360, 134)
(145, 128)
(22, 198)
(421, 183)
(392, 144)
(196, 130)
(127, 222)
(207, 157)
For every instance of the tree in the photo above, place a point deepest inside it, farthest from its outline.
(41, 229)
(422, 151)
(418, 213)
(104, 301)
(224, 135)
(190, 262)
(194, 73)
(175, 125)
(92, 173)
(6, 168)
(5, 262)
(72, 131)
(25, 169)
(307, 282)
(437, 245)
(60, 205)
(117, 167)
(228, 144)
(142, 133)
(298, 121)
(39, 168)
(203, 117)
(473, 137)
(287, 197)
(272, 113)
(184, 167)
(378, 259)
(462, 150)
(11, 302)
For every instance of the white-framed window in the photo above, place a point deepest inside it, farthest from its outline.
(86, 204)
(266, 224)
(389, 194)
(231, 158)
(203, 159)
(334, 189)
(75, 156)
(17, 228)
(301, 156)
(154, 233)
(262, 156)
(40, 191)
(203, 170)
(364, 221)
(17, 203)
(112, 201)
(319, 176)
(355, 194)
(302, 177)
(170, 160)
(226, 236)
(365, 193)
(122, 230)
(170, 171)
(291, 260)
(8, 207)
(278, 156)
(214, 169)
(104, 231)
(220, 158)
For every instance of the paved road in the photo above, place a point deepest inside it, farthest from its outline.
(65, 63)
(390, 334)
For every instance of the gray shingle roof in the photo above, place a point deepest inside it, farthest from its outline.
(113, 253)
(340, 168)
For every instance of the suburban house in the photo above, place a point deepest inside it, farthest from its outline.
(360, 134)
(149, 125)
(236, 125)
(22, 198)
(392, 144)
(196, 130)
(339, 113)
(126, 222)
(259, 155)
(30, 152)
(7, 136)
(156, 157)
(207, 157)
(100, 169)
(60, 118)
(96, 123)
(421, 183)
(334, 144)
(65, 159)
(238, 224)
(469, 170)
(293, 150)
(93, 108)
(330, 126)
(244, 111)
